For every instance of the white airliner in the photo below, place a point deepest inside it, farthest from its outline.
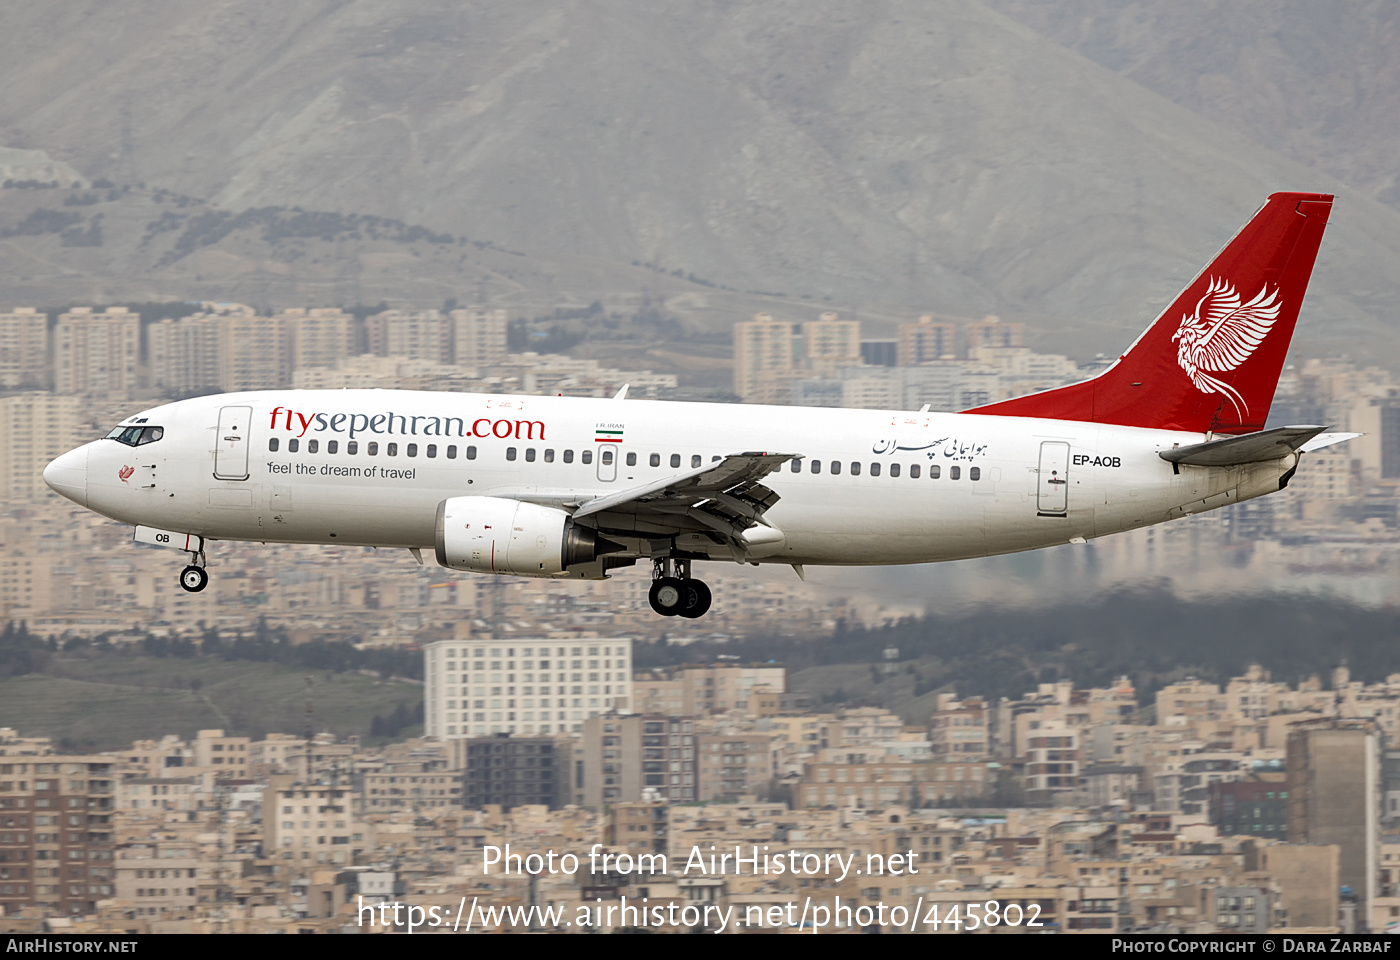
(569, 487)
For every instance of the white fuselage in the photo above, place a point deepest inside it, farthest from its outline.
(1037, 482)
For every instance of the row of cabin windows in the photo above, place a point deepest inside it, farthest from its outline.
(935, 470)
(834, 467)
(352, 447)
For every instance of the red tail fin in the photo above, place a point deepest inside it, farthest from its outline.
(1212, 360)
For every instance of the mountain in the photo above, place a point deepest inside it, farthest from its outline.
(1318, 84)
(885, 158)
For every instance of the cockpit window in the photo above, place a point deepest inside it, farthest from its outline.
(136, 436)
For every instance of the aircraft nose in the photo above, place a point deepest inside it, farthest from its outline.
(67, 476)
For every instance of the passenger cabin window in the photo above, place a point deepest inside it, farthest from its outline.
(273, 444)
(914, 471)
(954, 473)
(569, 456)
(933, 471)
(675, 460)
(452, 451)
(796, 466)
(655, 460)
(510, 453)
(549, 456)
(894, 469)
(372, 449)
(471, 453)
(695, 460)
(816, 466)
(391, 449)
(412, 450)
(293, 445)
(529, 454)
(855, 468)
(586, 456)
(312, 445)
(835, 467)
(631, 459)
(352, 447)
(974, 473)
(432, 450)
(332, 446)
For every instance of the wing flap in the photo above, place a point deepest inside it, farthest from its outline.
(736, 478)
(723, 499)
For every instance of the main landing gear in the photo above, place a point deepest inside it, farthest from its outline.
(674, 593)
(194, 577)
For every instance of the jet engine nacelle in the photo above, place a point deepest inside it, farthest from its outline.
(496, 535)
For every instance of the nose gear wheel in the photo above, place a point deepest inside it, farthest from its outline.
(194, 579)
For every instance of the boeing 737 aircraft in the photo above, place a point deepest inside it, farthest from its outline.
(571, 487)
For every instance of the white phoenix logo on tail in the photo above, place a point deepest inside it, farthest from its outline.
(1222, 335)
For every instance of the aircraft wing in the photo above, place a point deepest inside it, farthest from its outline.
(724, 496)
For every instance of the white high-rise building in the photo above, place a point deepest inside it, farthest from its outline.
(24, 349)
(479, 687)
(479, 336)
(253, 351)
(320, 337)
(184, 354)
(34, 429)
(415, 334)
(96, 354)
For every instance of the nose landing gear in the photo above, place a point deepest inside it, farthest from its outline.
(674, 593)
(194, 577)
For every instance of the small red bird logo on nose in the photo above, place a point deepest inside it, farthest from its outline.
(124, 474)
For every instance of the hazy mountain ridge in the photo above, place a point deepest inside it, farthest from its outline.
(892, 157)
(1317, 83)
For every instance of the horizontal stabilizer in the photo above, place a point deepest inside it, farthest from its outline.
(1326, 440)
(1250, 448)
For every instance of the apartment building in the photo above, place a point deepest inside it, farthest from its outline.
(731, 764)
(631, 758)
(763, 359)
(34, 429)
(320, 338)
(24, 350)
(414, 334)
(56, 839)
(227, 755)
(523, 687)
(698, 689)
(991, 331)
(184, 354)
(961, 729)
(161, 879)
(926, 341)
(517, 771)
(417, 786)
(97, 354)
(829, 344)
(478, 336)
(311, 824)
